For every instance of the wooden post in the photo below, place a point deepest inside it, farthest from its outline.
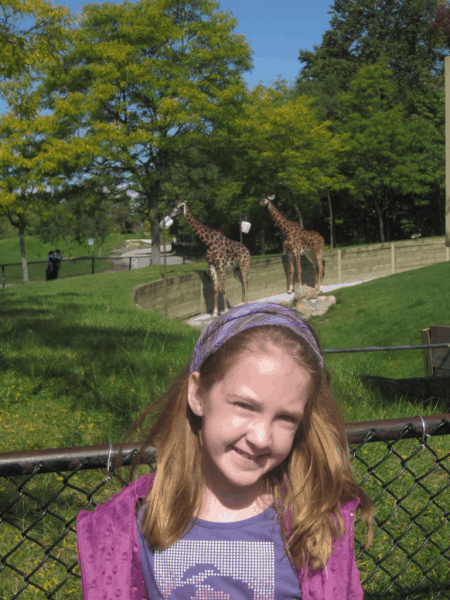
(165, 272)
(339, 266)
(425, 335)
(437, 360)
(447, 150)
(440, 356)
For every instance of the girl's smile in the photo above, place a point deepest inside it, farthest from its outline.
(249, 457)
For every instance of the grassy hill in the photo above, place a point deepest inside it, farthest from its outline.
(79, 362)
(82, 345)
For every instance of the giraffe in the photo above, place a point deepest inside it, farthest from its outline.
(222, 254)
(298, 242)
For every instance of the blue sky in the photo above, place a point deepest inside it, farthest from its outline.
(276, 31)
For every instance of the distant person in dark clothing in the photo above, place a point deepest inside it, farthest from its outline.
(56, 260)
(49, 266)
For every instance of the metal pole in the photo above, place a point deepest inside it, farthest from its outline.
(165, 272)
(129, 266)
(93, 265)
(3, 275)
(240, 227)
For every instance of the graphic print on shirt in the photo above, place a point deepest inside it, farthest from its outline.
(216, 570)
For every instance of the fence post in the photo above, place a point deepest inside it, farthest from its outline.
(3, 275)
(393, 257)
(165, 272)
(93, 265)
(339, 265)
(129, 266)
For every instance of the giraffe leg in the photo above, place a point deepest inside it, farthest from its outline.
(245, 265)
(298, 261)
(239, 273)
(291, 274)
(222, 278)
(320, 260)
(213, 273)
(313, 258)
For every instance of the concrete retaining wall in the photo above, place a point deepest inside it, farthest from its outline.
(191, 294)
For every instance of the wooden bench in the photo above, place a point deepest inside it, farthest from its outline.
(436, 382)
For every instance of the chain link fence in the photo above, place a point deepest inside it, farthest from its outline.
(402, 464)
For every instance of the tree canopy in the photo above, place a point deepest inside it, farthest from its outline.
(146, 81)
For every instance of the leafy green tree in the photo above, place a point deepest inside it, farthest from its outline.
(97, 222)
(61, 220)
(32, 32)
(146, 81)
(288, 150)
(28, 171)
(363, 32)
(386, 153)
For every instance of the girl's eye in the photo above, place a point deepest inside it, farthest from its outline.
(291, 419)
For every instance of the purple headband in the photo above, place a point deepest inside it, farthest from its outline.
(240, 318)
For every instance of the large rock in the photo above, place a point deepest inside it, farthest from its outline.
(305, 292)
(315, 307)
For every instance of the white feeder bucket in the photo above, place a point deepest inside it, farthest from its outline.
(245, 226)
(165, 225)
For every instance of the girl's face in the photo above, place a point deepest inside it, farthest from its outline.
(249, 420)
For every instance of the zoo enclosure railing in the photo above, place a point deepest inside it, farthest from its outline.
(424, 569)
(122, 263)
(56, 461)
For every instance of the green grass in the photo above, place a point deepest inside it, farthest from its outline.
(37, 251)
(79, 362)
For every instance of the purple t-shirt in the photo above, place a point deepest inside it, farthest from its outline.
(110, 560)
(244, 560)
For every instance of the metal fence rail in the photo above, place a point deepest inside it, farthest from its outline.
(409, 558)
(379, 348)
(70, 266)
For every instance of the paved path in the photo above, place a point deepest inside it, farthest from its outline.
(200, 321)
(140, 262)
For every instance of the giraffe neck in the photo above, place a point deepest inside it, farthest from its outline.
(283, 223)
(200, 230)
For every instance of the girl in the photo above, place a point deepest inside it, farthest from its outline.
(253, 495)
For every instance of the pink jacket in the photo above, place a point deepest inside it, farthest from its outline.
(108, 553)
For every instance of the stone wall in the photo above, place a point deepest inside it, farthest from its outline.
(191, 294)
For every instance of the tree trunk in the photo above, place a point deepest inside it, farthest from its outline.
(24, 256)
(386, 205)
(263, 245)
(297, 210)
(156, 244)
(331, 221)
(380, 219)
(387, 226)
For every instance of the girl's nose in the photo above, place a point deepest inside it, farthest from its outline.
(260, 436)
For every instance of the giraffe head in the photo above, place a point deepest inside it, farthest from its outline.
(177, 209)
(266, 199)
